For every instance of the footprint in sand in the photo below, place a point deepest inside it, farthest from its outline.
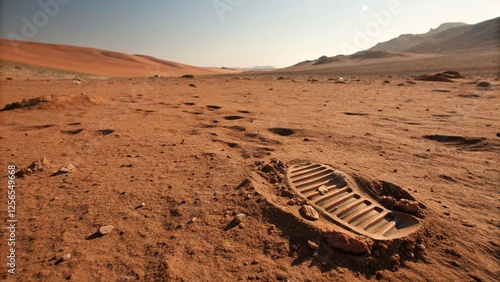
(72, 132)
(213, 107)
(340, 198)
(233, 117)
(37, 127)
(105, 131)
(282, 131)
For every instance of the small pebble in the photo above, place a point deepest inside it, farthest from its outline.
(273, 179)
(288, 194)
(238, 218)
(421, 247)
(395, 259)
(65, 257)
(313, 245)
(106, 229)
(67, 168)
(141, 205)
(267, 168)
(322, 189)
(291, 202)
(409, 254)
(310, 212)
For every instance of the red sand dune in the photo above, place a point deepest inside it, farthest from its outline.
(95, 61)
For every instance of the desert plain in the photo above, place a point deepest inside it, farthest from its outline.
(170, 159)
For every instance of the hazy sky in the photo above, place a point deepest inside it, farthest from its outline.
(232, 32)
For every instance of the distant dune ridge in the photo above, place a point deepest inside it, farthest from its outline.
(95, 61)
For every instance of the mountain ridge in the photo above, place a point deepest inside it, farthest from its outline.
(447, 38)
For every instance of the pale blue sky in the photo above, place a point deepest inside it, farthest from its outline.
(239, 33)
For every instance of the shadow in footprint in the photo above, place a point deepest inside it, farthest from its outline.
(454, 139)
(237, 128)
(470, 95)
(282, 131)
(232, 145)
(233, 117)
(72, 132)
(38, 126)
(105, 131)
(355, 114)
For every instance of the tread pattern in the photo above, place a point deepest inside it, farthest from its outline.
(346, 204)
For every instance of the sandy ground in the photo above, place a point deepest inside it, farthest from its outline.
(191, 150)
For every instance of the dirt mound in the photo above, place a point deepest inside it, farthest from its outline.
(42, 164)
(55, 101)
(392, 196)
(445, 76)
